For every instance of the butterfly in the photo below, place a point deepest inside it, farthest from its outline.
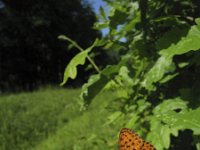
(128, 140)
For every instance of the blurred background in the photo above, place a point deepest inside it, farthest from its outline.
(31, 54)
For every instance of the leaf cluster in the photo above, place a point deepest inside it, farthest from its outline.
(155, 82)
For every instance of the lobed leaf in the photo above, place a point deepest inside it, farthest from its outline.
(165, 64)
(79, 59)
(170, 117)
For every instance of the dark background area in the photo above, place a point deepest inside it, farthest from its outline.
(31, 55)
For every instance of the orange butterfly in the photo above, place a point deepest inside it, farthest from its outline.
(129, 140)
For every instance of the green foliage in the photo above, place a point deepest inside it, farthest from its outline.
(156, 82)
(79, 59)
(168, 118)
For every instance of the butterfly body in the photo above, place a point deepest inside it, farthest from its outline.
(129, 140)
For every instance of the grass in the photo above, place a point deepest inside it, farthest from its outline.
(50, 119)
(86, 132)
(28, 118)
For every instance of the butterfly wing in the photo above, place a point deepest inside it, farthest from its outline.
(129, 140)
(147, 146)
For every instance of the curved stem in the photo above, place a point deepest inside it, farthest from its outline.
(81, 49)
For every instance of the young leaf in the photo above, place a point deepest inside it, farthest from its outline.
(79, 59)
(103, 14)
(71, 69)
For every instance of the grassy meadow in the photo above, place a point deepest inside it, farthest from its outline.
(51, 119)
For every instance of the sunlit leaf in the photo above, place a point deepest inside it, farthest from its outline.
(71, 70)
(102, 12)
(79, 59)
(164, 63)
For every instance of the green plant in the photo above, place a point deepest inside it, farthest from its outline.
(28, 118)
(156, 81)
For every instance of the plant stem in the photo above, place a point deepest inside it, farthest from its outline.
(81, 49)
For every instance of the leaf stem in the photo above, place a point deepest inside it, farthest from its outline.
(81, 49)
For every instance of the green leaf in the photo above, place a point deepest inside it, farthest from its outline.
(183, 64)
(124, 74)
(170, 105)
(168, 78)
(160, 137)
(101, 25)
(185, 120)
(164, 63)
(197, 20)
(163, 122)
(168, 38)
(133, 120)
(198, 146)
(142, 105)
(186, 44)
(113, 117)
(130, 26)
(154, 136)
(165, 136)
(118, 18)
(103, 14)
(71, 69)
(169, 117)
(91, 89)
(79, 59)
(97, 82)
(70, 46)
